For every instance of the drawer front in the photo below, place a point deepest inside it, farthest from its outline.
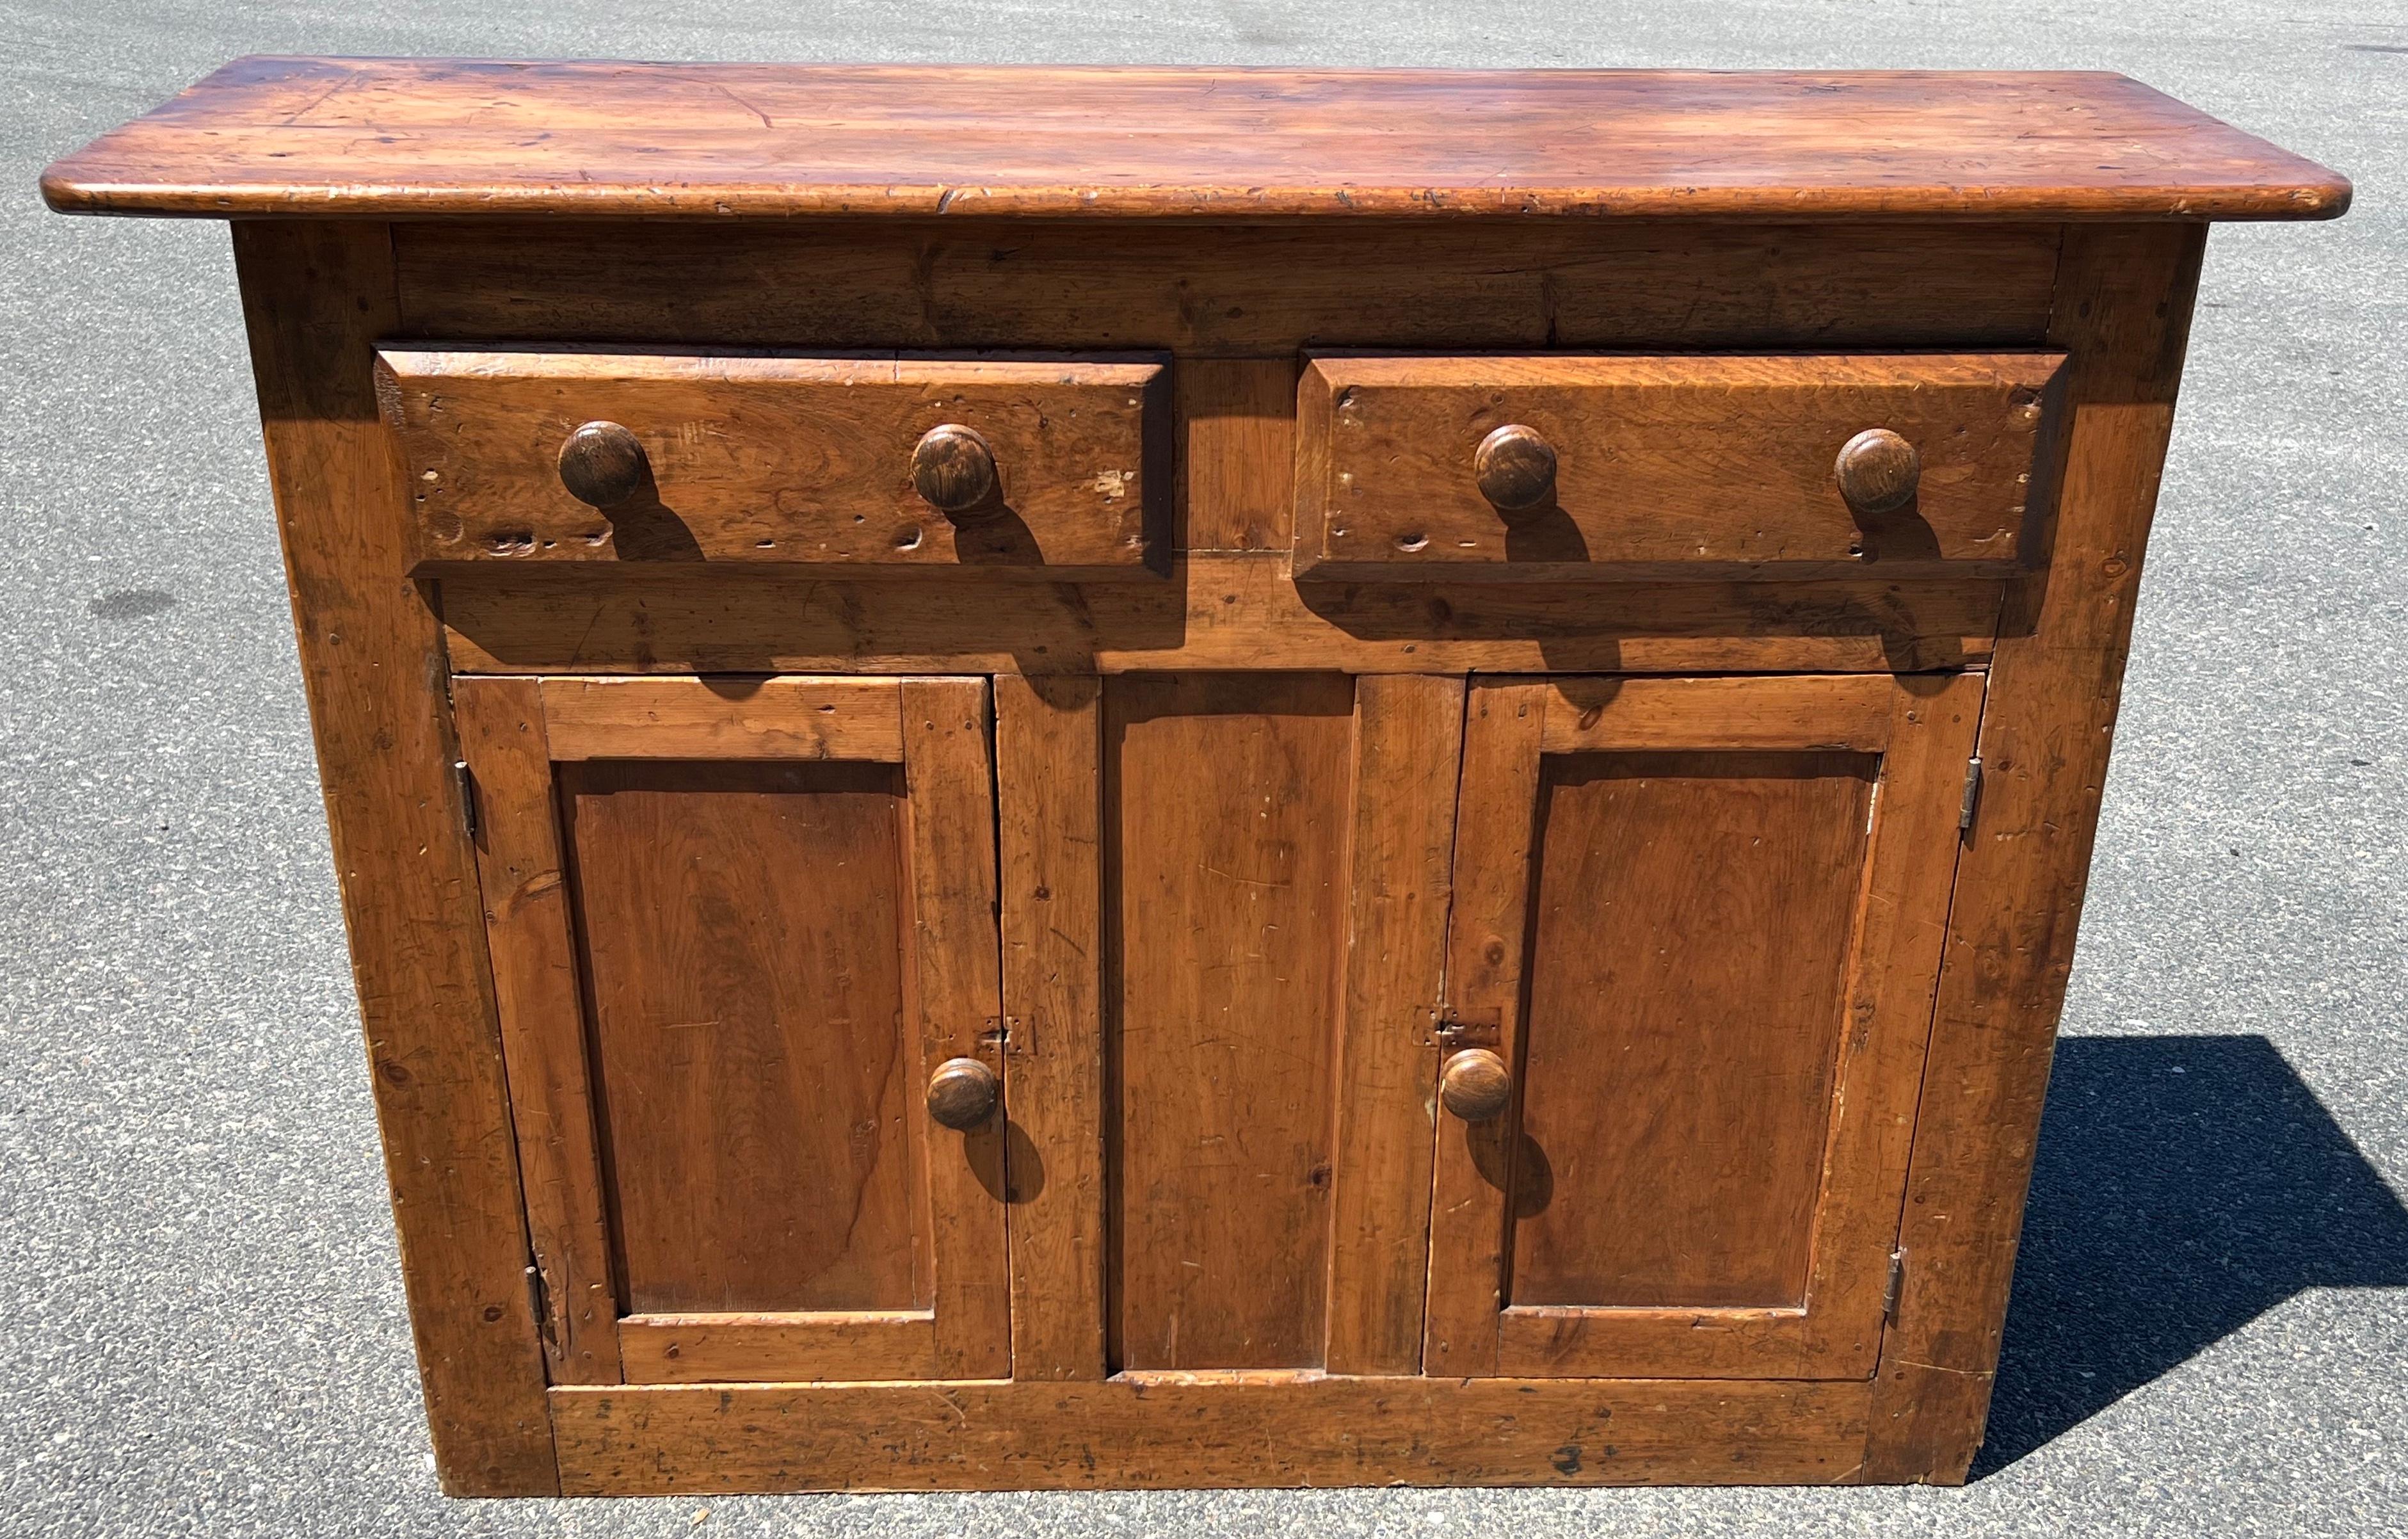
(1792, 465)
(863, 462)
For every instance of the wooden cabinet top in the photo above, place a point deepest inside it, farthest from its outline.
(414, 137)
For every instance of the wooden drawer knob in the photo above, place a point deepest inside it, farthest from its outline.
(962, 1093)
(1515, 466)
(1475, 1085)
(952, 469)
(1877, 471)
(603, 464)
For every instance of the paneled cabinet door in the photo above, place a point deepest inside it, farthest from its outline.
(741, 933)
(1697, 927)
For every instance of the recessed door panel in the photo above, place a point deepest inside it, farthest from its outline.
(743, 935)
(1691, 930)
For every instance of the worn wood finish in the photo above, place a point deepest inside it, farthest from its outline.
(1224, 904)
(1237, 422)
(315, 297)
(1259, 1429)
(1833, 710)
(1231, 290)
(1233, 611)
(833, 1347)
(1651, 905)
(1408, 751)
(2124, 313)
(530, 934)
(1049, 751)
(1662, 464)
(414, 137)
(722, 719)
(783, 459)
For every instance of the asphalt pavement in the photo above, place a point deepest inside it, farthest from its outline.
(201, 1321)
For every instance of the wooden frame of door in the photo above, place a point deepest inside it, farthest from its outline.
(1923, 729)
(513, 731)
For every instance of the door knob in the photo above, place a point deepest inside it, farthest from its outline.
(952, 469)
(1475, 1085)
(1877, 470)
(1515, 466)
(602, 463)
(962, 1093)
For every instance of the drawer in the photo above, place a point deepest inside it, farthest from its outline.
(863, 462)
(1795, 466)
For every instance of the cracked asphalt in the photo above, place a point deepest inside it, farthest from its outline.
(201, 1323)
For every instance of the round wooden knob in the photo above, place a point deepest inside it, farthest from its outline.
(962, 1093)
(601, 463)
(952, 469)
(1515, 467)
(1877, 471)
(1475, 1085)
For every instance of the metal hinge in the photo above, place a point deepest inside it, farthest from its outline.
(467, 796)
(1897, 1283)
(539, 1299)
(1972, 794)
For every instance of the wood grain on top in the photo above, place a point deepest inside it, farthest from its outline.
(397, 138)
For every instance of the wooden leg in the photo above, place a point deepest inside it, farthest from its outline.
(316, 297)
(2123, 312)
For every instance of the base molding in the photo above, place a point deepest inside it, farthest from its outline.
(1210, 1431)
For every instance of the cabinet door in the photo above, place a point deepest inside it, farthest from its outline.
(1698, 922)
(738, 927)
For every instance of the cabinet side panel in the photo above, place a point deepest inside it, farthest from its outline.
(2123, 313)
(1226, 889)
(1692, 922)
(743, 943)
(315, 298)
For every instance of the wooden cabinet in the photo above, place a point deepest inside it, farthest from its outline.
(1024, 804)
